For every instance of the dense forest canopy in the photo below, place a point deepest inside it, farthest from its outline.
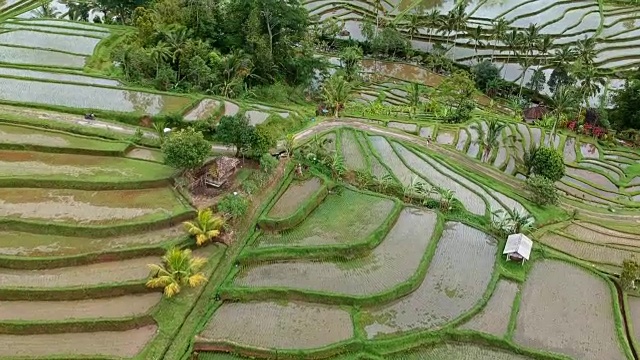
(217, 47)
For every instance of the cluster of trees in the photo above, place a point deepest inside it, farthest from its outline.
(217, 47)
(544, 166)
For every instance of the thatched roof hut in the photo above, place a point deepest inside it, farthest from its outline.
(221, 169)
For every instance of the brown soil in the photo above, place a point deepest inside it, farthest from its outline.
(296, 194)
(117, 307)
(144, 154)
(102, 343)
(86, 275)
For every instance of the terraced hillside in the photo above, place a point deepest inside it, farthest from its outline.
(79, 223)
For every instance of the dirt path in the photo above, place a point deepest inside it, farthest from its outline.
(116, 307)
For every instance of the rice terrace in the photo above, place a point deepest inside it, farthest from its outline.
(315, 179)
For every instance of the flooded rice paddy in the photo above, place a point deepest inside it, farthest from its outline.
(351, 152)
(203, 110)
(79, 45)
(593, 252)
(296, 194)
(88, 207)
(492, 319)
(272, 325)
(85, 275)
(346, 217)
(457, 351)
(54, 76)
(391, 160)
(570, 314)
(456, 280)
(24, 56)
(394, 261)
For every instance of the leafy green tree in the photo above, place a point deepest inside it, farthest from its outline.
(537, 80)
(565, 100)
(629, 275)
(350, 57)
(389, 41)
(336, 92)
(120, 9)
(626, 112)
(500, 28)
(543, 190)
(178, 269)
(548, 162)
(236, 130)
(185, 149)
(485, 74)
(457, 92)
(205, 227)
(414, 91)
(268, 163)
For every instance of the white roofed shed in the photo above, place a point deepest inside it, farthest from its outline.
(518, 247)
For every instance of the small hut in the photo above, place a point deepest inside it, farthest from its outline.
(518, 247)
(221, 169)
(534, 113)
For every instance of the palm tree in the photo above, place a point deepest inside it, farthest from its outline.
(586, 50)
(177, 37)
(178, 269)
(160, 53)
(545, 43)
(477, 34)
(490, 138)
(414, 25)
(525, 62)
(336, 92)
(512, 40)
(432, 21)
(456, 20)
(590, 80)
(416, 188)
(205, 227)
(564, 100)
(47, 11)
(500, 28)
(413, 96)
(521, 221)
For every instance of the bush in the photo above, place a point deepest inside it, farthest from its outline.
(268, 163)
(185, 149)
(233, 205)
(543, 190)
(548, 162)
(485, 74)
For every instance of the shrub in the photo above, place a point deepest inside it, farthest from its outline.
(548, 162)
(268, 163)
(233, 205)
(543, 190)
(186, 149)
(249, 186)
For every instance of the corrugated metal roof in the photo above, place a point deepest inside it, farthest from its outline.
(520, 244)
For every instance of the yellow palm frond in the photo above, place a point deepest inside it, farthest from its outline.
(197, 279)
(172, 289)
(197, 263)
(201, 239)
(162, 281)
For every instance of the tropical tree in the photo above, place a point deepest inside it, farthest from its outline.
(544, 45)
(336, 92)
(47, 11)
(178, 269)
(537, 80)
(522, 221)
(205, 227)
(512, 223)
(160, 54)
(432, 20)
(446, 197)
(500, 28)
(456, 21)
(415, 188)
(491, 137)
(414, 91)
(513, 41)
(414, 24)
(477, 35)
(560, 61)
(590, 80)
(564, 100)
(630, 273)
(350, 58)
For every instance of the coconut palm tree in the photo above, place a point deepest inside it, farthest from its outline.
(590, 80)
(413, 96)
(414, 24)
(205, 227)
(564, 100)
(491, 138)
(525, 63)
(513, 41)
(336, 93)
(415, 188)
(585, 50)
(521, 221)
(432, 20)
(457, 19)
(47, 11)
(500, 28)
(178, 269)
(160, 54)
(544, 45)
(477, 34)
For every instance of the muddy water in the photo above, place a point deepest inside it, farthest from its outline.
(593, 177)
(456, 279)
(13, 135)
(458, 351)
(462, 140)
(474, 147)
(402, 71)
(256, 117)
(28, 244)
(82, 206)
(86, 275)
(279, 326)
(204, 109)
(296, 194)
(445, 138)
(395, 260)
(230, 108)
(116, 307)
(491, 319)
(426, 132)
(402, 126)
(569, 314)
(612, 172)
(570, 150)
(118, 344)
(589, 151)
